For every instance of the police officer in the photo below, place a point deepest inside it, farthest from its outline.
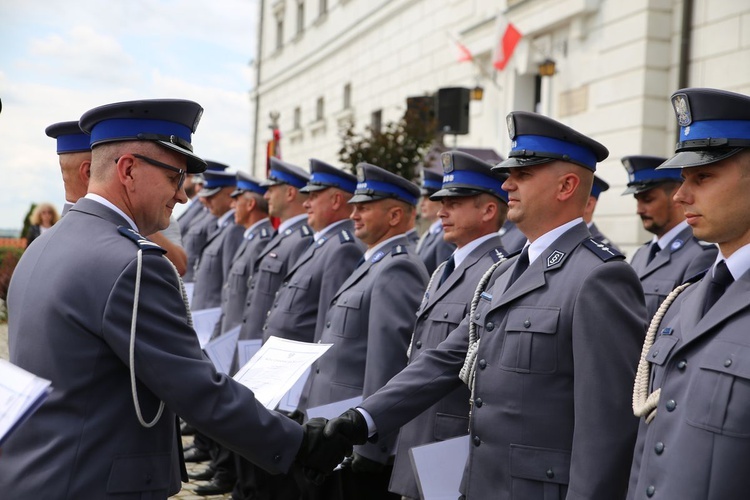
(550, 415)
(673, 255)
(119, 348)
(212, 267)
(513, 239)
(74, 155)
(432, 248)
(692, 385)
(371, 317)
(473, 208)
(597, 189)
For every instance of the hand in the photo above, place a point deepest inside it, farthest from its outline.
(351, 425)
(319, 455)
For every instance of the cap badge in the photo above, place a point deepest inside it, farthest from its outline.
(511, 126)
(447, 163)
(682, 110)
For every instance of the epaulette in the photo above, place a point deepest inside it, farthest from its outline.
(345, 236)
(602, 251)
(264, 233)
(140, 240)
(305, 230)
(399, 249)
(497, 254)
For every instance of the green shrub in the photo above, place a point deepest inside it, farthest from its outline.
(9, 257)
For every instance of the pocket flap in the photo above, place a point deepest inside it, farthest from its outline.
(727, 357)
(239, 268)
(271, 265)
(540, 464)
(139, 473)
(533, 319)
(302, 282)
(447, 312)
(658, 287)
(660, 350)
(352, 300)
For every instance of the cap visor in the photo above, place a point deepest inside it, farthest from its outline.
(195, 164)
(520, 162)
(455, 192)
(269, 182)
(234, 193)
(698, 158)
(205, 193)
(313, 187)
(364, 198)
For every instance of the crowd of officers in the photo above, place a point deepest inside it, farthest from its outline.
(511, 318)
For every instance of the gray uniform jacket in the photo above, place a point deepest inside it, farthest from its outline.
(369, 322)
(551, 414)
(234, 291)
(311, 283)
(187, 217)
(513, 238)
(271, 266)
(599, 236)
(434, 250)
(697, 446)
(685, 258)
(442, 309)
(212, 268)
(85, 440)
(202, 226)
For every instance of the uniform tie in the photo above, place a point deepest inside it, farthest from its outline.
(522, 263)
(721, 279)
(652, 251)
(450, 266)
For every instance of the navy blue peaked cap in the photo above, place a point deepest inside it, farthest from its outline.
(643, 174)
(375, 183)
(168, 122)
(432, 182)
(70, 137)
(324, 176)
(538, 139)
(286, 173)
(245, 183)
(467, 175)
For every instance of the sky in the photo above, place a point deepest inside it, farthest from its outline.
(62, 58)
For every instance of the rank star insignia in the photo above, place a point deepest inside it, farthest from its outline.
(555, 258)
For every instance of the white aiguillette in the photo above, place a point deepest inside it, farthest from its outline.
(21, 393)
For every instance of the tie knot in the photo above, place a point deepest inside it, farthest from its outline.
(722, 276)
(653, 250)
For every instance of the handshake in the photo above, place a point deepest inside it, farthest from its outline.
(325, 444)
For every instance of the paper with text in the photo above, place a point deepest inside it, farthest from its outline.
(21, 393)
(246, 349)
(276, 367)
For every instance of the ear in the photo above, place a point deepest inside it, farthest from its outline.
(489, 212)
(125, 172)
(395, 215)
(337, 200)
(252, 203)
(84, 172)
(569, 183)
(291, 193)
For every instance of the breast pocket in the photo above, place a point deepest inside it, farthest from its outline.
(657, 289)
(269, 276)
(530, 344)
(237, 274)
(657, 355)
(294, 294)
(719, 398)
(347, 318)
(443, 318)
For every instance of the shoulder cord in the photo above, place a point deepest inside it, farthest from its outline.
(438, 272)
(468, 370)
(133, 390)
(644, 404)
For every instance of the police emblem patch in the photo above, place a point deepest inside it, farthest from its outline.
(555, 258)
(676, 244)
(682, 110)
(511, 126)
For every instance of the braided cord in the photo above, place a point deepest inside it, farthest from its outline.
(438, 272)
(644, 404)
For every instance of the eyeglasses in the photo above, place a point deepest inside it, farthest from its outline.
(159, 164)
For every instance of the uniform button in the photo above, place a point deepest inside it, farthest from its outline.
(654, 354)
(265, 327)
(478, 402)
(482, 364)
(345, 300)
(728, 363)
(682, 364)
(650, 491)
(659, 448)
(477, 441)
(489, 326)
(296, 281)
(445, 315)
(284, 284)
(671, 405)
(550, 473)
(317, 370)
(244, 320)
(328, 324)
(476, 316)
(527, 323)
(334, 302)
(277, 458)
(418, 344)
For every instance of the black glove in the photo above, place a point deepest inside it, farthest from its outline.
(351, 425)
(319, 455)
(363, 465)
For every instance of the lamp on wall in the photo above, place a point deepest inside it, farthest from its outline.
(476, 93)
(547, 67)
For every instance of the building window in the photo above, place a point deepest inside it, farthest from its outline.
(300, 16)
(297, 118)
(347, 96)
(376, 122)
(279, 32)
(323, 7)
(319, 109)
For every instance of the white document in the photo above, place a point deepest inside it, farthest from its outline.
(276, 367)
(290, 401)
(21, 393)
(204, 322)
(221, 349)
(439, 467)
(189, 287)
(332, 410)
(246, 349)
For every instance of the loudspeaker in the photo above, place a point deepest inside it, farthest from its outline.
(453, 110)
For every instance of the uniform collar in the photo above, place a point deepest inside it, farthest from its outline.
(223, 219)
(290, 222)
(100, 199)
(252, 228)
(665, 240)
(327, 229)
(540, 244)
(461, 253)
(436, 226)
(738, 263)
(371, 251)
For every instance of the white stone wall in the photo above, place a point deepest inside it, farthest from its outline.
(617, 64)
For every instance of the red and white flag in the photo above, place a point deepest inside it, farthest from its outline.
(505, 45)
(462, 52)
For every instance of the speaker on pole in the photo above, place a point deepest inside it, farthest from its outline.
(453, 110)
